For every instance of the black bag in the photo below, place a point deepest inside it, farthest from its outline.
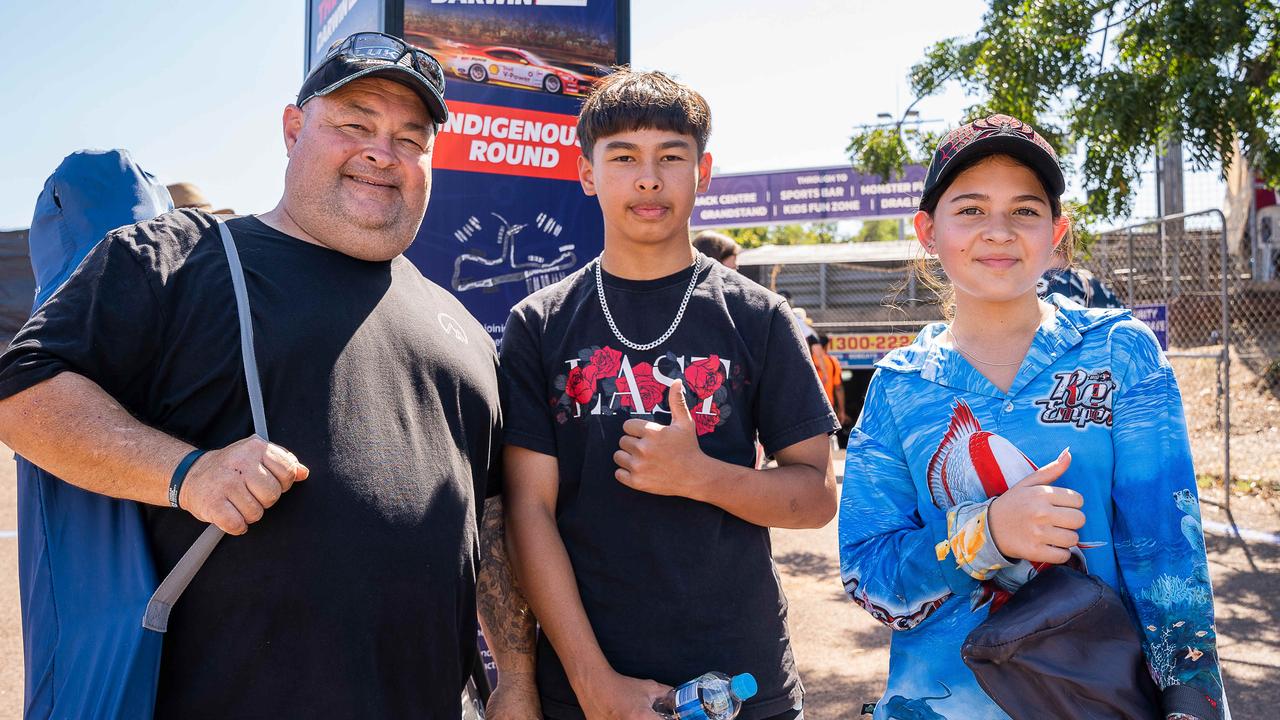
(1063, 647)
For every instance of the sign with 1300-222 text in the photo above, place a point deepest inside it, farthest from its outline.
(864, 349)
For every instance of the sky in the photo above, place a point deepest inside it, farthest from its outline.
(195, 89)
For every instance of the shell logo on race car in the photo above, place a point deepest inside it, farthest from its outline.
(514, 66)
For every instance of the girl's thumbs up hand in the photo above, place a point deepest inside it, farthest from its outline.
(1033, 520)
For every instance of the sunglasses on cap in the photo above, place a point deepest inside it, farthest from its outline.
(366, 54)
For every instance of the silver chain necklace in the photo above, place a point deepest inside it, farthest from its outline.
(971, 356)
(608, 316)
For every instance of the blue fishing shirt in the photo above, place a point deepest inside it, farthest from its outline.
(936, 439)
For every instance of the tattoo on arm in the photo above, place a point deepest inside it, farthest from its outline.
(508, 622)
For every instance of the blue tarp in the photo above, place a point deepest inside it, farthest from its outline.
(84, 565)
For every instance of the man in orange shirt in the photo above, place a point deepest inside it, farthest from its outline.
(829, 372)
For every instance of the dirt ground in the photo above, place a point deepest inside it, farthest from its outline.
(10, 621)
(1255, 419)
(842, 653)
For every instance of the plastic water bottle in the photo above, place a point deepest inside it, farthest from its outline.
(714, 696)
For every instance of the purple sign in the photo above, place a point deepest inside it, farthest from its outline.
(814, 195)
(1157, 318)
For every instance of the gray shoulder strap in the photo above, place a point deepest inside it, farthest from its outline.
(161, 603)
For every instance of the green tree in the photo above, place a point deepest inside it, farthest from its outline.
(806, 234)
(1117, 79)
(880, 231)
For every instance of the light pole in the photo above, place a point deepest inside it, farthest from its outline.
(910, 117)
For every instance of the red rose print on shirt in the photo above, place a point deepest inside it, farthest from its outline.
(706, 423)
(606, 361)
(581, 384)
(704, 377)
(651, 391)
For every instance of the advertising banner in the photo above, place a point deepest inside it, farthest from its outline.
(865, 349)
(331, 20)
(812, 195)
(507, 215)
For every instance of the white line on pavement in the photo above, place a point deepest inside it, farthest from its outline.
(1220, 528)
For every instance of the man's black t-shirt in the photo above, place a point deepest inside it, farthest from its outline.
(353, 596)
(673, 587)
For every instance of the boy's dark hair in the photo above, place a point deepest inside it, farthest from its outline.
(825, 340)
(630, 100)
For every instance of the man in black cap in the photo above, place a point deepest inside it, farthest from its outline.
(351, 594)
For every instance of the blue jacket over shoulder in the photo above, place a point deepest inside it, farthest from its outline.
(84, 564)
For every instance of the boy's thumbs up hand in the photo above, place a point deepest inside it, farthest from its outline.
(680, 408)
(662, 459)
(1033, 520)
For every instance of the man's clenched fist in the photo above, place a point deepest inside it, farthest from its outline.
(234, 486)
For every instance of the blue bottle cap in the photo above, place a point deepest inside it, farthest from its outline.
(743, 686)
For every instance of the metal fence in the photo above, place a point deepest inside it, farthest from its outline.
(1221, 322)
(853, 297)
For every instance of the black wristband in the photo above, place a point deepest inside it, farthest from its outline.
(180, 474)
(1190, 700)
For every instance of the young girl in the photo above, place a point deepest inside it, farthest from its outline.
(931, 535)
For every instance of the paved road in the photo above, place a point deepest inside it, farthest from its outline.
(841, 651)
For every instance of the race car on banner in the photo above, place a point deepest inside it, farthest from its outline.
(517, 67)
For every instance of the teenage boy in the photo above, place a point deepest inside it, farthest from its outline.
(633, 393)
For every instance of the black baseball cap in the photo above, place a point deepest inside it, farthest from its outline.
(375, 54)
(993, 135)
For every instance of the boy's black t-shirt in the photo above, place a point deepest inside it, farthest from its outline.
(354, 596)
(673, 587)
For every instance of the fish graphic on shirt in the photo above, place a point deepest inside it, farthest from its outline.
(974, 465)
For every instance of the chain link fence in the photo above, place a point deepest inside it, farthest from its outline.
(1220, 322)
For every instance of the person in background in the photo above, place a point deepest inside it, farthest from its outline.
(799, 317)
(719, 247)
(830, 373)
(1076, 284)
(187, 195)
